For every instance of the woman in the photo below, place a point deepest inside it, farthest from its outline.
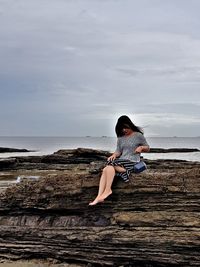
(130, 144)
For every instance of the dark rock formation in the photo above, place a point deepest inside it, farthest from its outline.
(7, 163)
(169, 150)
(8, 150)
(153, 221)
(63, 159)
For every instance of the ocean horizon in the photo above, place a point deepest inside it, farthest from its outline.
(44, 145)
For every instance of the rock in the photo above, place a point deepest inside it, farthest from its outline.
(7, 163)
(76, 156)
(8, 150)
(154, 220)
(61, 159)
(65, 159)
(174, 150)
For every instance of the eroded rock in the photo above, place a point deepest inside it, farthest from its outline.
(151, 221)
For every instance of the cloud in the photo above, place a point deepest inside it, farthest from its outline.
(175, 72)
(168, 119)
(88, 62)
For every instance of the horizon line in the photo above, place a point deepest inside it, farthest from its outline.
(102, 136)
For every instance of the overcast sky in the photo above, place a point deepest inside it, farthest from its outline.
(72, 67)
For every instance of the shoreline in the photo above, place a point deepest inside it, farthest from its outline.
(188, 154)
(34, 167)
(152, 150)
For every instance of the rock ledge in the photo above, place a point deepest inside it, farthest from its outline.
(153, 221)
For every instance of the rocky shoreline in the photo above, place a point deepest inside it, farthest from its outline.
(172, 150)
(153, 221)
(9, 150)
(152, 150)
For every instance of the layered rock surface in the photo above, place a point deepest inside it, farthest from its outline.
(154, 220)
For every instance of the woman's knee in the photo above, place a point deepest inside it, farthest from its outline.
(108, 168)
(120, 169)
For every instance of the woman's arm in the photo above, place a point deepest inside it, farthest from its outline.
(114, 155)
(141, 149)
(144, 146)
(117, 152)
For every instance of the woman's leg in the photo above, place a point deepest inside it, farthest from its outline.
(105, 183)
(102, 182)
(110, 178)
(110, 175)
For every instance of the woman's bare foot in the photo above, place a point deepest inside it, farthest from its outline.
(105, 195)
(96, 201)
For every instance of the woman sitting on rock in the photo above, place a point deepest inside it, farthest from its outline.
(130, 144)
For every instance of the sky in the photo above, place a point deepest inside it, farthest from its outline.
(72, 67)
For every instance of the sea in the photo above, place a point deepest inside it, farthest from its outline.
(48, 145)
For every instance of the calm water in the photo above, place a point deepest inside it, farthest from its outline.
(48, 145)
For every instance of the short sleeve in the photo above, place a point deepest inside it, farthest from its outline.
(142, 140)
(118, 149)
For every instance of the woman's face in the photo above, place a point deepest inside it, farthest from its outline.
(126, 130)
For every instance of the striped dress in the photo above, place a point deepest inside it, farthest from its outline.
(126, 146)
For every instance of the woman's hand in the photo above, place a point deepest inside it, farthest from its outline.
(141, 149)
(112, 157)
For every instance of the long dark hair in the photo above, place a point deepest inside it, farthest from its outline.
(125, 122)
